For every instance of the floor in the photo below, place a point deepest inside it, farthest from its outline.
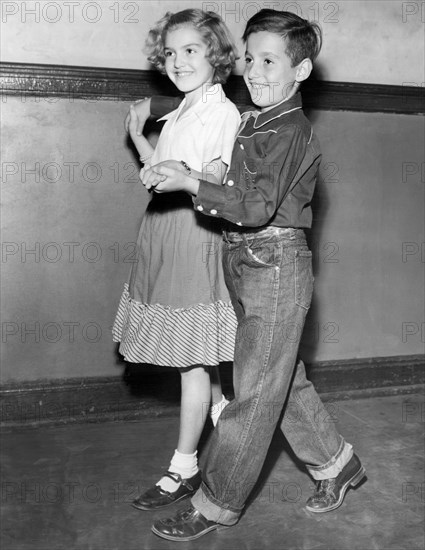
(70, 486)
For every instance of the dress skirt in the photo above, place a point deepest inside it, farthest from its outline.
(175, 310)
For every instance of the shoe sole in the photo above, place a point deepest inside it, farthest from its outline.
(353, 482)
(146, 508)
(186, 539)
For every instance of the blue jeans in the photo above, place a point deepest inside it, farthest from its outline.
(269, 276)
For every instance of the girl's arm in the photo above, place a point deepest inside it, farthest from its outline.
(213, 172)
(171, 175)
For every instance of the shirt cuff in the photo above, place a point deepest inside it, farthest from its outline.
(210, 199)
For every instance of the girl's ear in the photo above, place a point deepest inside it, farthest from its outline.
(303, 70)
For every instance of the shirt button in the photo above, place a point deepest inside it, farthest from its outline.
(230, 183)
(213, 211)
(200, 208)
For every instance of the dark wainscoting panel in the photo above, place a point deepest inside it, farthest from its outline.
(155, 391)
(128, 85)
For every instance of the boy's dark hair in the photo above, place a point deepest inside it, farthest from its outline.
(221, 50)
(302, 37)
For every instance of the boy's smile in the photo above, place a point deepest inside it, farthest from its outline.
(268, 74)
(186, 63)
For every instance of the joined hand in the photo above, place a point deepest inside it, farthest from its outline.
(165, 176)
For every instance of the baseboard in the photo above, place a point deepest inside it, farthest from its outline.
(153, 392)
(96, 83)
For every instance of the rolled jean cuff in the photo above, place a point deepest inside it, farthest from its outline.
(334, 466)
(212, 511)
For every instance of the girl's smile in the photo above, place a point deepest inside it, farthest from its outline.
(186, 63)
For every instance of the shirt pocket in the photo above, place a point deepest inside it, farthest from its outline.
(250, 170)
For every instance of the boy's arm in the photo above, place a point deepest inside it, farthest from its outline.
(151, 107)
(252, 198)
(161, 105)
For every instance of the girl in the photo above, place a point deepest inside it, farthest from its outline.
(176, 310)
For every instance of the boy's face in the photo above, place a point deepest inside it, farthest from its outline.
(268, 73)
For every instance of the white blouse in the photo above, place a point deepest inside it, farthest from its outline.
(206, 131)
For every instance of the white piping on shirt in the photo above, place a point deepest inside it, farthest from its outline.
(311, 135)
(277, 116)
(256, 133)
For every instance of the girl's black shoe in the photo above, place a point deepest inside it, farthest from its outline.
(155, 497)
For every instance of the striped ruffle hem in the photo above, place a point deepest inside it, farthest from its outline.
(160, 335)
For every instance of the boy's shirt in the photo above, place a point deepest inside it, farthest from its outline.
(273, 172)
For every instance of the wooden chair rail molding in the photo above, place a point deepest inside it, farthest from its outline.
(108, 84)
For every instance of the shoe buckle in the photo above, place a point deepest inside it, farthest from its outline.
(174, 476)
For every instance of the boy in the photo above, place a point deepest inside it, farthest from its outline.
(267, 266)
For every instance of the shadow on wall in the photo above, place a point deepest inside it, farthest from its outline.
(147, 381)
(320, 205)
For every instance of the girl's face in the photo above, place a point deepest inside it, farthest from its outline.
(185, 60)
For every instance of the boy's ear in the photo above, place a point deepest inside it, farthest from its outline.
(304, 69)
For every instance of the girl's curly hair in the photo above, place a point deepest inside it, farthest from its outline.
(221, 50)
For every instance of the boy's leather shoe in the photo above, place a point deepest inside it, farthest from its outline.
(330, 493)
(188, 524)
(155, 497)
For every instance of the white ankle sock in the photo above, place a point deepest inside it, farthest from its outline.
(186, 465)
(217, 408)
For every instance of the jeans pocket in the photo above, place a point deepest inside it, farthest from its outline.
(303, 278)
(262, 256)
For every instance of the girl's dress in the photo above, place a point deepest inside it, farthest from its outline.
(176, 310)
